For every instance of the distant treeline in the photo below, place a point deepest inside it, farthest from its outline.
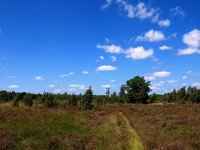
(134, 91)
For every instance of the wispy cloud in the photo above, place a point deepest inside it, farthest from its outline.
(113, 58)
(140, 10)
(77, 86)
(105, 86)
(111, 48)
(51, 86)
(39, 78)
(85, 72)
(13, 86)
(177, 11)
(66, 75)
(10, 77)
(107, 4)
(101, 57)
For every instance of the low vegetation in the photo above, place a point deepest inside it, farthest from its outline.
(110, 126)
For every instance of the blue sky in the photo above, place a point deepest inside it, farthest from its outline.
(65, 46)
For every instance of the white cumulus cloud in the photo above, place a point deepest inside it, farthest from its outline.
(164, 47)
(77, 86)
(138, 53)
(13, 86)
(152, 36)
(188, 51)
(164, 23)
(106, 68)
(192, 40)
(161, 74)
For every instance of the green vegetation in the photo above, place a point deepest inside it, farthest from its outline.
(137, 90)
(86, 101)
(28, 99)
(134, 91)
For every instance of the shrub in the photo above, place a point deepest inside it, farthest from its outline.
(28, 100)
(48, 100)
(16, 100)
(73, 100)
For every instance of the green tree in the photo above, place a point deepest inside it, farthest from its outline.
(48, 100)
(108, 92)
(16, 100)
(122, 94)
(73, 100)
(28, 99)
(137, 90)
(114, 97)
(182, 95)
(86, 101)
(108, 99)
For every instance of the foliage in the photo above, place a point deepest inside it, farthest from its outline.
(86, 101)
(28, 99)
(137, 90)
(48, 100)
(73, 100)
(122, 94)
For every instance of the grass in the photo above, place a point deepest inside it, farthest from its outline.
(133, 141)
(115, 126)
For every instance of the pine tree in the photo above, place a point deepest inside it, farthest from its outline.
(86, 101)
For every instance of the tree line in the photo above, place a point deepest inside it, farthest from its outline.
(135, 90)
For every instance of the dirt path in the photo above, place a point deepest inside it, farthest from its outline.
(133, 141)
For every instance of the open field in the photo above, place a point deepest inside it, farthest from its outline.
(127, 126)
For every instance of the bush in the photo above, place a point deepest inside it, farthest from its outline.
(28, 100)
(48, 100)
(73, 100)
(16, 100)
